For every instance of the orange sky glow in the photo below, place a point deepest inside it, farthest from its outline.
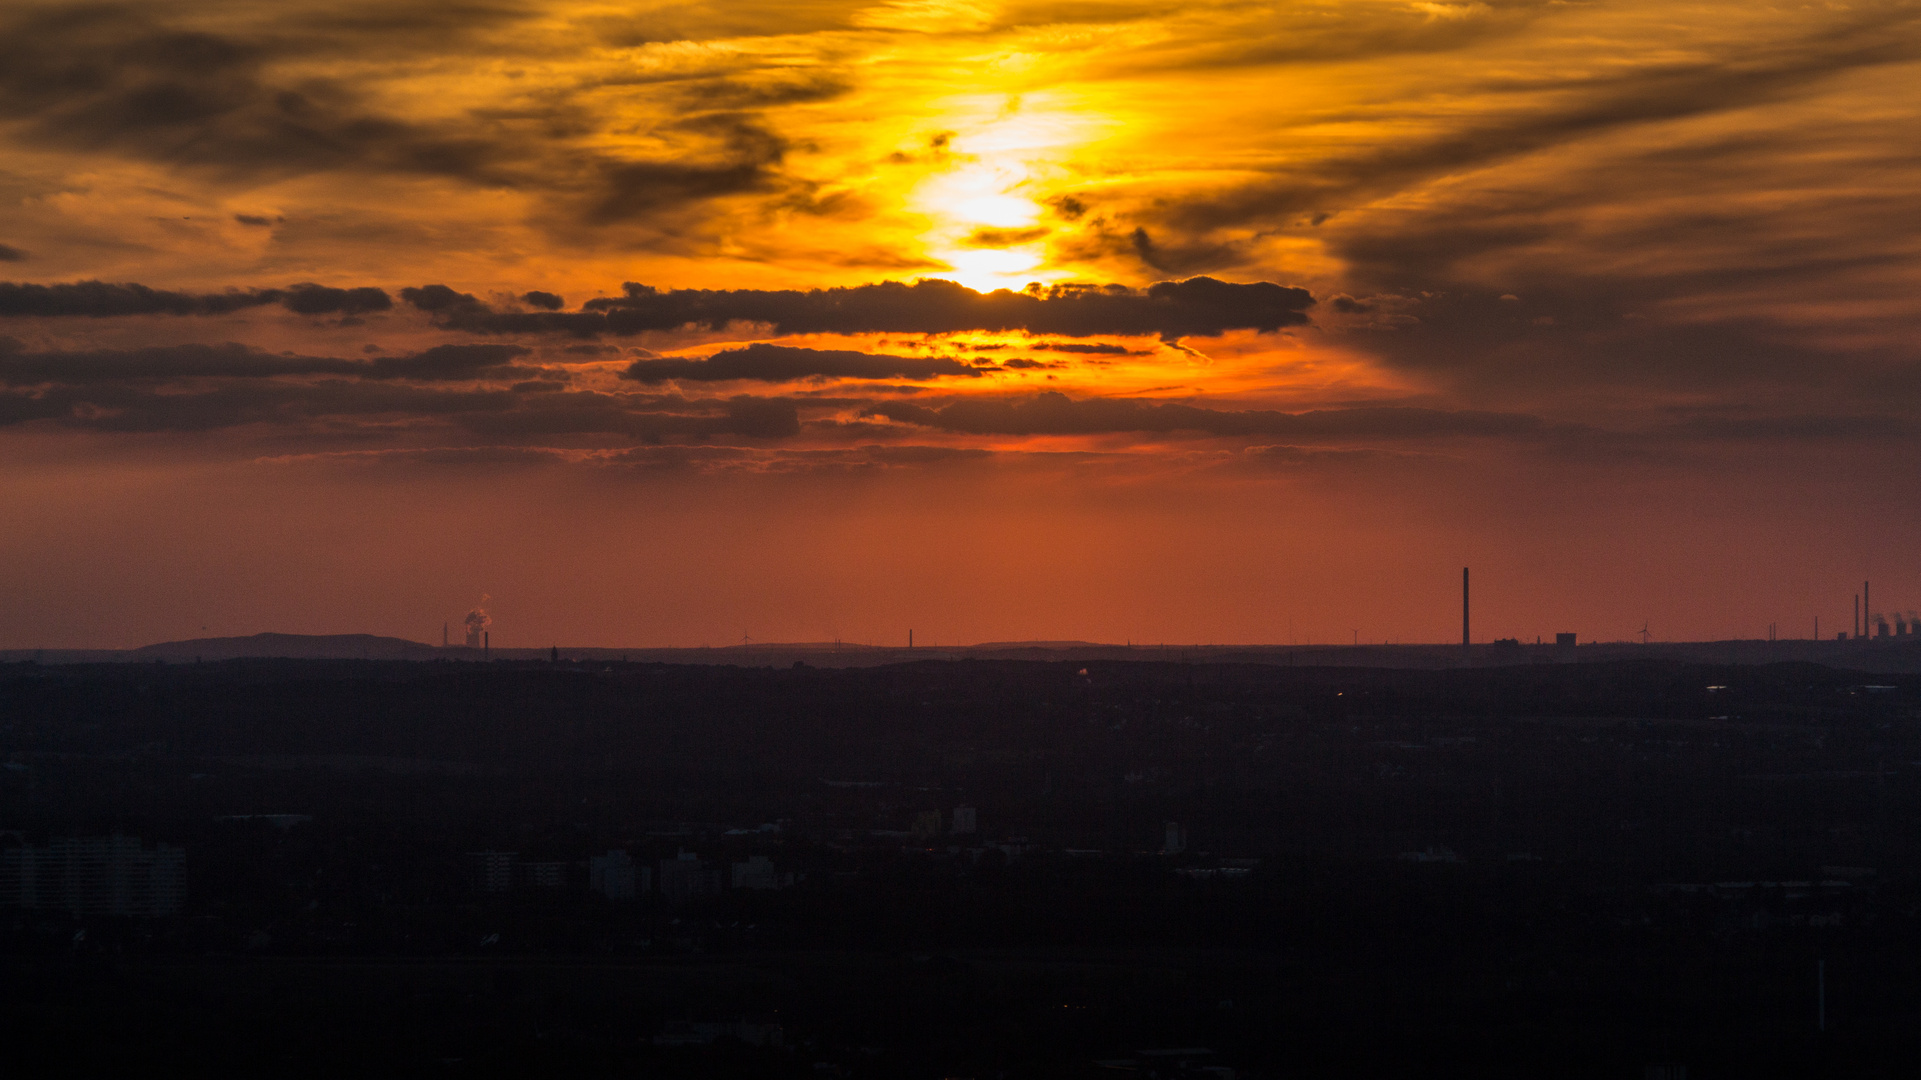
(669, 323)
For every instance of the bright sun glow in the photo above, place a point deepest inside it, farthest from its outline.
(986, 269)
(971, 205)
(980, 194)
(987, 221)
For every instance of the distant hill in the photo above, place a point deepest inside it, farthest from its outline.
(289, 646)
(994, 645)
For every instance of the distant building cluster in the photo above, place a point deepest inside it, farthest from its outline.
(696, 1033)
(1872, 624)
(687, 877)
(616, 876)
(95, 875)
(503, 871)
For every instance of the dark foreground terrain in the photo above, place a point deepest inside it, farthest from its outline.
(1570, 870)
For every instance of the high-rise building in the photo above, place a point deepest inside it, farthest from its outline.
(927, 825)
(541, 875)
(95, 875)
(491, 871)
(686, 878)
(963, 823)
(756, 873)
(615, 876)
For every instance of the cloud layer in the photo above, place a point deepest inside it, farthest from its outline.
(778, 363)
(1547, 270)
(1198, 306)
(100, 300)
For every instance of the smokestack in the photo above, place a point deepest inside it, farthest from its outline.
(910, 639)
(1866, 607)
(443, 635)
(1821, 996)
(1464, 635)
(1857, 614)
(486, 644)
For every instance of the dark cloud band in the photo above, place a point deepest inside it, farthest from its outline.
(325, 411)
(102, 300)
(780, 363)
(1057, 414)
(1199, 307)
(232, 361)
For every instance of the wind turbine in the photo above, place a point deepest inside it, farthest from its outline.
(1644, 632)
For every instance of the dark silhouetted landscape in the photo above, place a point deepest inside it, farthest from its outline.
(962, 867)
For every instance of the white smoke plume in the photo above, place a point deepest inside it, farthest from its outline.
(478, 620)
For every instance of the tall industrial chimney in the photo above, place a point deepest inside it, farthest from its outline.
(1867, 612)
(1464, 635)
(486, 645)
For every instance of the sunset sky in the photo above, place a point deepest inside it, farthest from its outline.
(671, 323)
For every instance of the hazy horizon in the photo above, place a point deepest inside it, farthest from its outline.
(1145, 648)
